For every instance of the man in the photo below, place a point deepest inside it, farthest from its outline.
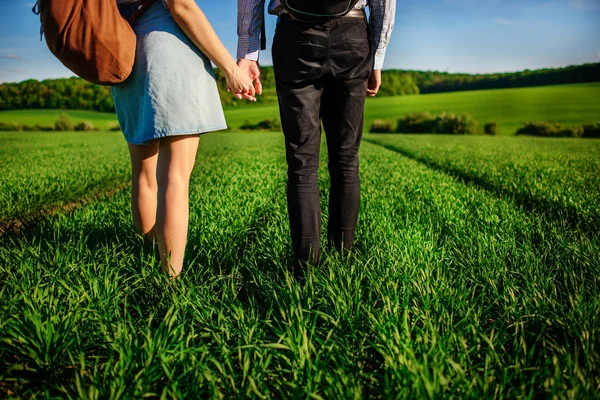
(323, 70)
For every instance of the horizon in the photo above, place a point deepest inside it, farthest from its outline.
(384, 70)
(448, 36)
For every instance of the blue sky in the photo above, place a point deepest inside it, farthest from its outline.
(446, 35)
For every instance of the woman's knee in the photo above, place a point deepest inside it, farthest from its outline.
(174, 179)
(143, 164)
(147, 181)
(176, 160)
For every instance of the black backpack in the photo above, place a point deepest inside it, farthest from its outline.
(318, 10)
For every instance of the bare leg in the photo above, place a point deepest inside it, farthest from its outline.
(144, 188)
(175, 164)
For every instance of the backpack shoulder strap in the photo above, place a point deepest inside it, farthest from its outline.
(36, 10)
(142, 7)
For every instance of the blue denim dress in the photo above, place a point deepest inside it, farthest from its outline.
(172, 89)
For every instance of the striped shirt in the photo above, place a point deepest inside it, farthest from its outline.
(251, 14)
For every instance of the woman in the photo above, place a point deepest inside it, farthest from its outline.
(170, 99)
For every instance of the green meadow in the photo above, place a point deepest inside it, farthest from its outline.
(510, 108)
(475, 272)
(102, 121)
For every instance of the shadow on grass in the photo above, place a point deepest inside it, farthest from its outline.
(241, 257)
(26, 220)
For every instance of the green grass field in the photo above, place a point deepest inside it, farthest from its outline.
(475, 273)
(510, 108)
(44, 170)
(102, 121)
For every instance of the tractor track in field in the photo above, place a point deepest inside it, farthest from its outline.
(23, 223)
(547, 208)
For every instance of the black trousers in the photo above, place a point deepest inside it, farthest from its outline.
(321, 72)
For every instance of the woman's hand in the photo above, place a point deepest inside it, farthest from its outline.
(252, 69)
(240, 84)
(193, 22)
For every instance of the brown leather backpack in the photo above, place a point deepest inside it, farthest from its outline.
(90, 37)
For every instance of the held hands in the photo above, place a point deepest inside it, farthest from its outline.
(240, 84)
(251, 70)
(374, 83)
(244, 81)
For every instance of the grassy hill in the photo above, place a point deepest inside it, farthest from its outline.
(510, 108)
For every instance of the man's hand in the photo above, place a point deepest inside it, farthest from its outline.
(374, 83)
(253, 70)
(239, 83)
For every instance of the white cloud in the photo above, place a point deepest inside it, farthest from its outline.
(12, 71)
(503, 21)
(13, 57)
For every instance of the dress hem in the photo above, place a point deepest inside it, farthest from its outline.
(179, 133)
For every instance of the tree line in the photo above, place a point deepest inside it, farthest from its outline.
(438, 82)
(77, 94)
(66, 94)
